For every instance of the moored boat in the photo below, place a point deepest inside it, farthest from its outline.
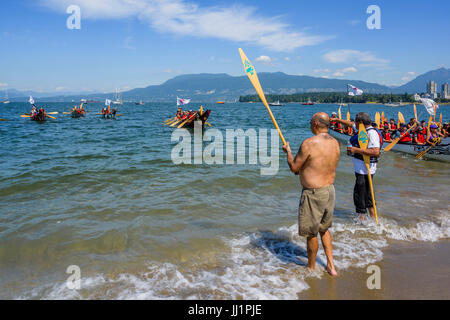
(440, 152)
(276, 104)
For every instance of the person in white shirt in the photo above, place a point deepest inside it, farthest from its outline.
(362, 197)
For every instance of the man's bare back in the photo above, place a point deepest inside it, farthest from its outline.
(322, 156)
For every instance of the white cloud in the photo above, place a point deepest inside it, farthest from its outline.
(411, 73)
(264, 59)
(364, 59)
(349, 70)
(287, 59)
(3, 84)
(338, 74)
(237, 23)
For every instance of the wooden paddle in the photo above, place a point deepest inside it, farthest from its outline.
(422, 153)
(440, 123)
(377, 119)
(415, 112)
(363, 140)
(49, 116)
(53, 112)
(429, 123)
(251, 73)
(395, 141)
(175, 123)
(183, 123)
(1, 119)
(208, 123)
(401, 119)
(382, 117)
(25, 116)
(170, 120)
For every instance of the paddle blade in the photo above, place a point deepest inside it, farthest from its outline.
(382, 117)
(377, 119)
(363, 137)
(415, 112)
(348, 115)
(401, 119)
(429, 123)
(339, 114)
(25, 116)
(251, 73)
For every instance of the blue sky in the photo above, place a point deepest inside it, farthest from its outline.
(128, 44)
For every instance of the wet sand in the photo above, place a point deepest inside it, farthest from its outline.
(419, 270)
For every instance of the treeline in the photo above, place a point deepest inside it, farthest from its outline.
(335, 97)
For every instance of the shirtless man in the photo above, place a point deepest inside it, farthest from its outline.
(316, 163)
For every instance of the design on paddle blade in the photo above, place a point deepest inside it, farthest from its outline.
(363, 138)
(249, 67)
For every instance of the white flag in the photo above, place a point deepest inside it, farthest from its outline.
(107, 102)
(182, 102)
(354, 91)
(429, 104)
(31, 100)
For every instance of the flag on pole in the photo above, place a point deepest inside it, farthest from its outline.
(31, 100)
(353, 91)
(429, 104)
(182, 102)
(107, 102)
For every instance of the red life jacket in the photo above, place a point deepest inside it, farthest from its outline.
(406, 138)
(420, 137)
(393, 127)
(386, 136)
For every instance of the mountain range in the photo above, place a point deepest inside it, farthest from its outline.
(213, 87)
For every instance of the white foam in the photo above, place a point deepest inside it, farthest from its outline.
(260, 265)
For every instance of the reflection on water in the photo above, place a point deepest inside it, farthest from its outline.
(105, 195)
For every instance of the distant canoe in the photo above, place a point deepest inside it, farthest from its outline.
(220, 102)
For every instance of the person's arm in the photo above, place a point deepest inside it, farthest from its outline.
(372, 152)
(347, 123)
(296, 163)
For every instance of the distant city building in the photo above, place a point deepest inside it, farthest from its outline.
(432, 89)
(445, 94)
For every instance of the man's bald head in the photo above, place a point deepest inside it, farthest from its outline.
(321, 120)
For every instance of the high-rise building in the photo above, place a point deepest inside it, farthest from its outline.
(432, 89)
(445, 94)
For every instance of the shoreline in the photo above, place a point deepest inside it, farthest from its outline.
(409, 270)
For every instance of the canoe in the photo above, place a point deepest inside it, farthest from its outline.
(76, 114)
(39, 117)
(202, 118)
(440, 152)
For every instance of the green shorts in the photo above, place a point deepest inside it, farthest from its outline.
(315, 211)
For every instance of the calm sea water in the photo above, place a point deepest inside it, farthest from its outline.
(104, 195)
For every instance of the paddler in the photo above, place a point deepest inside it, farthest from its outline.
(386, 133)
(179, 114)
(433, 137)
(333, 123)
(418, 136)
(316, 163)
(362, 197)
(405, 137)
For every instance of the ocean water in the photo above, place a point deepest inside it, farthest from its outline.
(105, 195)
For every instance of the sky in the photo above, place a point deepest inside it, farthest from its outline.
(135, 43)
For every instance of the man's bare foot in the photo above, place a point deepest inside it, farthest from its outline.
(361, 217)
(332, 271)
